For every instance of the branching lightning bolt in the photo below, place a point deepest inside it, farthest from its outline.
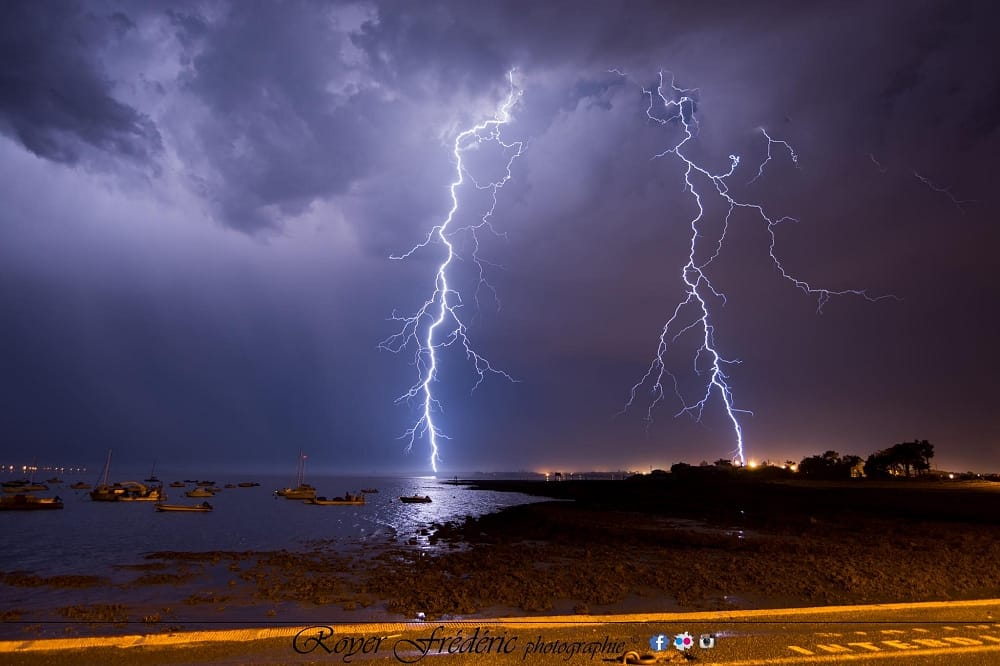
(437, 323)
(959, 203)
(671, 105)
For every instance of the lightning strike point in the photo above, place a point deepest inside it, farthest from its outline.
(437, 324)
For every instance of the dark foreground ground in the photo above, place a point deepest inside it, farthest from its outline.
(618, 546)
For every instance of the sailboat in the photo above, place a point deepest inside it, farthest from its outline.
(126, 491)
(302, 490)
(152, 475)
(105, 492)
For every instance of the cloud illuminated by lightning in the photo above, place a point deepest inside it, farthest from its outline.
(437, 324)
(670, 105)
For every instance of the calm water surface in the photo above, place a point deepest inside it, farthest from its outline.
(88, 537)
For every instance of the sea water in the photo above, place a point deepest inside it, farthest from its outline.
(88, 537)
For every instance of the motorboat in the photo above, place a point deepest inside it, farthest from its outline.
(23, 486)
(193, 508)
(138, 492)
(21, 502)
(416, 499)
(199, 492)
(348, 500)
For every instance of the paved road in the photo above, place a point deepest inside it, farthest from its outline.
(966, 632)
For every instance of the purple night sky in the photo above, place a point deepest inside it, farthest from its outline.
(200, 200)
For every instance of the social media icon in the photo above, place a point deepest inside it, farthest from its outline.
(707, 641)
(658, 642)
(683, 641)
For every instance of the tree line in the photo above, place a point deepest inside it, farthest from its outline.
(903, 459)
(906, 459)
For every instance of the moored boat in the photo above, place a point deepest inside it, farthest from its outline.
(21, 502)
(193, 508)
(137, 492)
(105, 491)
(199, 492)
(80, 485)
(302, 490)
(348, 500)
(178, 484)
(369, 490)
(20, 487)
(415, 499)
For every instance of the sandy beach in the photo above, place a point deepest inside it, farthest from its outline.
(652, 545)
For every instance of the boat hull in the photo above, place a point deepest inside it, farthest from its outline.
(204, 507)
(415, 500)
(29, 503)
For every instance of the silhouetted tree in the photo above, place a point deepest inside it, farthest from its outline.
(901, 459)
(831, 465)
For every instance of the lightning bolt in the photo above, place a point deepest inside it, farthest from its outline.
(878, 165)
(437, 324)
(671, 105)
(959, 203)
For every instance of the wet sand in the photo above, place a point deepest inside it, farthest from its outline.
(616, 546)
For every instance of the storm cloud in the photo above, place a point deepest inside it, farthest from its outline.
(201, 198)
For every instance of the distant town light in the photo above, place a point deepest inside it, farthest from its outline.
(752, 464)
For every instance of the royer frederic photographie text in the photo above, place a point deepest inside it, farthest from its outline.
(464, 640)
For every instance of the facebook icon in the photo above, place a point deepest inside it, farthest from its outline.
(659, 642)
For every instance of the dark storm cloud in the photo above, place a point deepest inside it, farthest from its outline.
(286, 117)
(54, 97)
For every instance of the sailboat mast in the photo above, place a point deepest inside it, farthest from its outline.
(107, 469)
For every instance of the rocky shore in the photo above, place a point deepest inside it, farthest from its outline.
(651, 544)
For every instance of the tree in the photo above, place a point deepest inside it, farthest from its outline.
(901, 459)
(830, 465)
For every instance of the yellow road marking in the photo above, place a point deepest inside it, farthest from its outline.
(559, 621)
(862, 656)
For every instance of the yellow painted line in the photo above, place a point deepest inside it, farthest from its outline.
(557, 621)
(867, 656)
(189, 637)
(569, 620)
